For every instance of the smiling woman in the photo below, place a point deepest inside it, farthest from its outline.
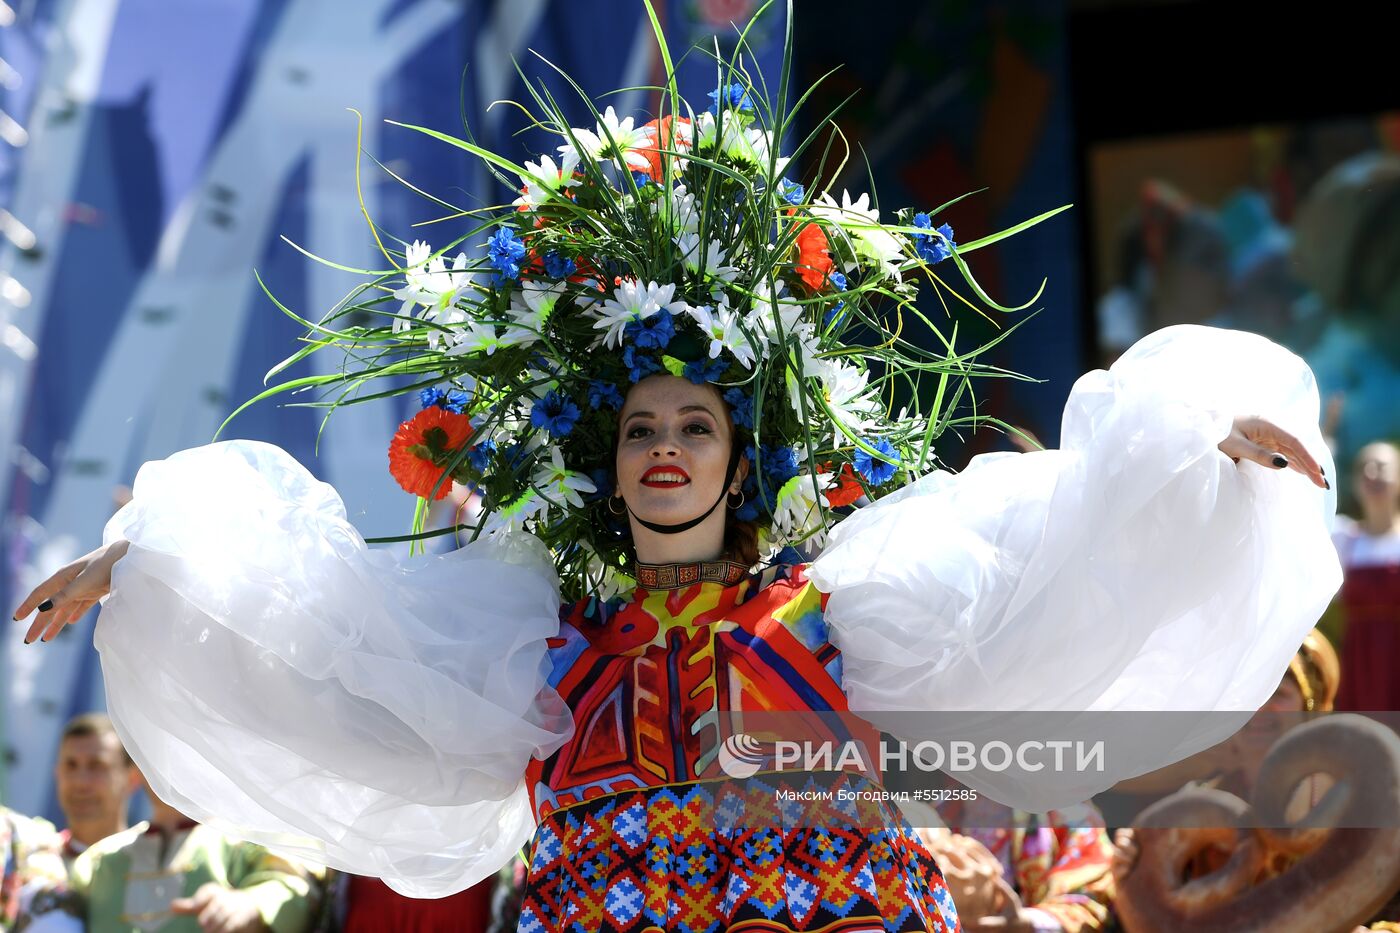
(678, 460)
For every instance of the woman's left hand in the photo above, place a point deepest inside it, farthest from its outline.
(1267, 444)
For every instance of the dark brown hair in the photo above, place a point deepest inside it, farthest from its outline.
(740, 541)
(97, 724)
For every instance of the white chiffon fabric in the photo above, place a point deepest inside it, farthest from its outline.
(274, 676)
(1134, 569)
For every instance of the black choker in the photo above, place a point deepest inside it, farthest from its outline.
(676, 576)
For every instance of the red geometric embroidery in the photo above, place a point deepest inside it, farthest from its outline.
(726, 856)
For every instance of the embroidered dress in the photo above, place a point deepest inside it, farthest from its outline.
(404, 717)
(641, 828)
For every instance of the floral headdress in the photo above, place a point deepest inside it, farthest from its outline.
(688, 245)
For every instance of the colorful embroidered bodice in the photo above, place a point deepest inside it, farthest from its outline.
(657, 682)
(641, 830)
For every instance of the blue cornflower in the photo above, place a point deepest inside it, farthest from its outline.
(703, 371)
(556, 413)
(514, 456)
(601, 394)
(430, 397)
(602, 478)
(734, 96)
(835, 315)
(791, 191)
(642, 179)
(479, 456)
(779, 465)
(653, 333)
(838, 279)
(505, 250)
(935, 247)
(638, 364)
(740, 408)
(776, 467)
(559, 267)
(456, 401)
(875, 470)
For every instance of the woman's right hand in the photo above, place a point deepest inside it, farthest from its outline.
(72, 591)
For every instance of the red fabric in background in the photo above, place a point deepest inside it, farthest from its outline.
(1371, 644)
(372, 907)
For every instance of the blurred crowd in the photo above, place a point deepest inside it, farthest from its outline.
(169, 873)
(1321, 277)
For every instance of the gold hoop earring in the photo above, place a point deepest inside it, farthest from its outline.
(621, 511)
(742, 499)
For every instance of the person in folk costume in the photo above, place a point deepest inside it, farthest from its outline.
(1369, 548)
(672, 361)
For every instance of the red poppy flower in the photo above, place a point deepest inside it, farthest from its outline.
(846, 490)
(813, 260)
(585, 273)
(666, 139)
(432, 431)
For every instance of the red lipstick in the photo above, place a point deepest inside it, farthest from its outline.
(666, 477)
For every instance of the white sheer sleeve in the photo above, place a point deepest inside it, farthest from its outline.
(274, 676)
(1135, 568)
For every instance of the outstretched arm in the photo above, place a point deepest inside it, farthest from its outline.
(275, 677)
(1136, 574)
(74, 589)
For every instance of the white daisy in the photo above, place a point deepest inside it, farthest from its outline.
(559, 483)
(678, 210)
(608, 582)
(428, 282)
(721, 325)
(614, 138)
(798, 514)
(847, 393)
(873, 245)
(512, 516)
(476, 337)
(705, 262)
(768, 305)
(633, 301)
(450, 318)
(530, 308)
(542, 179)
(806, 359)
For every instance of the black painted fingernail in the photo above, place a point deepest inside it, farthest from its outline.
(1280, 462)
(46, 605)
(1322, 470)
(1326, 484)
